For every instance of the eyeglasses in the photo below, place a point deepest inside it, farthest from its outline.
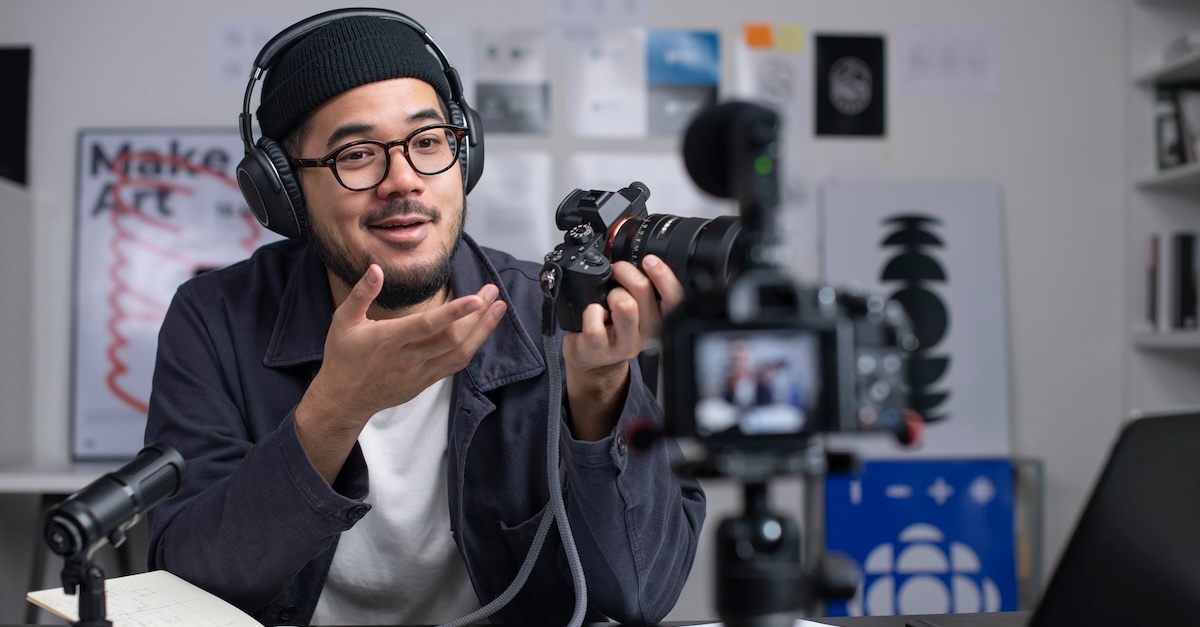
(363, 164)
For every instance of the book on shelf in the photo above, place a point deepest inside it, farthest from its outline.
(1152, 283)
(1184, 267)
(1167, 132)
(1188, 102)
(154, 598)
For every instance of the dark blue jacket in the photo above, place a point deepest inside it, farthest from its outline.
(257, 525)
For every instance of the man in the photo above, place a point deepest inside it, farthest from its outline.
(363, 412)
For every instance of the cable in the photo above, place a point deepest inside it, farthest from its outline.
(556, 509)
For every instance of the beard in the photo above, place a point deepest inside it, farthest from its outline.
(402, 287)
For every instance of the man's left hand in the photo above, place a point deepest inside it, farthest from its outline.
(597, 357)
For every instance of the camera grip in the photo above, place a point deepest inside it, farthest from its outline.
(582, 285)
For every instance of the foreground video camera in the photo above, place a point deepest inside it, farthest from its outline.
(756, 365)
(604, 227)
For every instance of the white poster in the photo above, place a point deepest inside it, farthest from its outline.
(939, 250)
(232, 43)
(154, 208)
(606, 84)
(960, 60)
(774, 68)
(512, 92)
(510, 208)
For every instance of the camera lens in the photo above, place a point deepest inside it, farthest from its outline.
(700, 251)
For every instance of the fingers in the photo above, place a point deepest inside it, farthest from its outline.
(354, 309)
(463, 322)
(593, 328)
(639, 287)
(669, 288)
(629, 318)
(464, 344)
(441, 317)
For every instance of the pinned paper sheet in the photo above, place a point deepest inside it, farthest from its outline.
(232, 43)
(606, 84)
(774, 69)
(511, 209)
(948, 60)
(595, 12)
(513, 90)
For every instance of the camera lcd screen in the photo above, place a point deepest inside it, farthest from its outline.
(757, 383)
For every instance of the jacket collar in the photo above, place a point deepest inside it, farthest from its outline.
(306, 309)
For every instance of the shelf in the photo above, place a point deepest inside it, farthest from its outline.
(1179, 340)
(1181, 70)
(1184, 177)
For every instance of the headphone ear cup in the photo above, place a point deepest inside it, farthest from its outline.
(270, 190)
(473, 165)
(291, 210)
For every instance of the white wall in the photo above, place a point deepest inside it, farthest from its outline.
(16, 311)
(1052, 141)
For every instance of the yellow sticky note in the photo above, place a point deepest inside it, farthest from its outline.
(790, 37)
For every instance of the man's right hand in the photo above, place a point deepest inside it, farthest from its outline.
(371, 365)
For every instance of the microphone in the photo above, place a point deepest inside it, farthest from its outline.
(106, 508)
(731, 150)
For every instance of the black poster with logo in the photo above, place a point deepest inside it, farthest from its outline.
(851, 85)
(14, 110)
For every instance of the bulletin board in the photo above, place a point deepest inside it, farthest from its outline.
(154, 207)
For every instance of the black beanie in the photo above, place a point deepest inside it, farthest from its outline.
(340, 56)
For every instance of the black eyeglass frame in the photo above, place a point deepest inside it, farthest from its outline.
(330, 159)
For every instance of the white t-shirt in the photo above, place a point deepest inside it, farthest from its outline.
(399, 564)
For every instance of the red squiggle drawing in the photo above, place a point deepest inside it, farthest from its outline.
(125, 219)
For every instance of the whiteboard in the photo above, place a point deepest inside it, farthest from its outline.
(153, 208)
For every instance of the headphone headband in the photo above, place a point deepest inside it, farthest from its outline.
(265, 175)
(290, 36)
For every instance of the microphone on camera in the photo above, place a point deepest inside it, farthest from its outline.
(731, 150)
(106, 508)
(728, 146)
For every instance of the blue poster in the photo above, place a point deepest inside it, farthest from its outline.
(683, 71)
(929, 536)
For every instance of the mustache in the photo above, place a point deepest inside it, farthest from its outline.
(399, 207)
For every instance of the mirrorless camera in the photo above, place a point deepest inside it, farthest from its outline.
(602, 227)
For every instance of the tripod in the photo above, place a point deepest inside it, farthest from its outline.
(761, 578)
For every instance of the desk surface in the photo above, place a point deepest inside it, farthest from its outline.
(51, 479)
(998, 619)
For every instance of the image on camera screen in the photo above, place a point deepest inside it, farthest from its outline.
(756, 382)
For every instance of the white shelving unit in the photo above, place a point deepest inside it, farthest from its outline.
(1167, 341)
(1162, 363)
(1183, 178)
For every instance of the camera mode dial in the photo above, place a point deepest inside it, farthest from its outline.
(580, 234)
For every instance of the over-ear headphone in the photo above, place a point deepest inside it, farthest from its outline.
(265, 173)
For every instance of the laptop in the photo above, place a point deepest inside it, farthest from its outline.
(1134, 557)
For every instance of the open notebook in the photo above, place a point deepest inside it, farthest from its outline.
(154, 598)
